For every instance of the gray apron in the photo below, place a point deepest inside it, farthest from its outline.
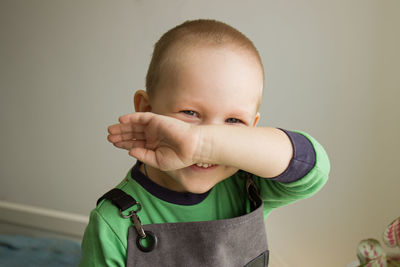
(239, 241)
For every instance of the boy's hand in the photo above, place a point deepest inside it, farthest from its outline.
(160, 141)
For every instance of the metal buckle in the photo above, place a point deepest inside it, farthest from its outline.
(139, 208)
(142, 234)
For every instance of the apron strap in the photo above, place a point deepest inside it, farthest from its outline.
(119, 198)
(253, 192)
(124, 201)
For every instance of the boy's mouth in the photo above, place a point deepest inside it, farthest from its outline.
(204, 165)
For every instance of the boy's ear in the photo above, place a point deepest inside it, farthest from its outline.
(141, 101)
(257, 118)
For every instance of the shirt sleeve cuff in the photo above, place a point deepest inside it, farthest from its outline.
(303, 159)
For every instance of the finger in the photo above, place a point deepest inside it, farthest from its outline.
(113, 138)
(137, 117)
(130, 144)
(125, 128)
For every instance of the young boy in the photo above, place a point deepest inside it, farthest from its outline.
(193, 130)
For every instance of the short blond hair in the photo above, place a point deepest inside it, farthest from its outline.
(191, 33)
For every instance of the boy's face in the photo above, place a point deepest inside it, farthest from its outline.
(207, 85)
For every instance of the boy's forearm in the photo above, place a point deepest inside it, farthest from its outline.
(263, 151)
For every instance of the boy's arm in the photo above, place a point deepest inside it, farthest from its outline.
(296, 164)
(167, 143)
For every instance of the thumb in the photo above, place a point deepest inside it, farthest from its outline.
(144, 155)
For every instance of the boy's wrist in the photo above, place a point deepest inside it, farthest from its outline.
(204, 148)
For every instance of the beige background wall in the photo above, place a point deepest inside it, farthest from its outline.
(68, 69)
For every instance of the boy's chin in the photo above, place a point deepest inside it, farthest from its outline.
(198, 183)
(198, 188)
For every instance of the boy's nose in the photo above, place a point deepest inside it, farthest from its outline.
(211, 121)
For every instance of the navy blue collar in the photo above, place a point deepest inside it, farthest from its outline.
(164, 193)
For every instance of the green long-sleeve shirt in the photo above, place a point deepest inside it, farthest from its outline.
(105, 239)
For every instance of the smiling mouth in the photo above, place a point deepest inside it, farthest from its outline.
(205, 165)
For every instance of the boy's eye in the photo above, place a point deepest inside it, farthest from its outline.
(189, 112)
(233, 120)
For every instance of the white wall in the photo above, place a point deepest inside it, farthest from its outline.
(68, 69)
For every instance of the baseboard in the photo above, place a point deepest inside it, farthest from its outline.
(42, 218)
